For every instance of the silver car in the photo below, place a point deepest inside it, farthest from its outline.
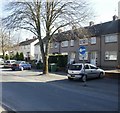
(84, 71)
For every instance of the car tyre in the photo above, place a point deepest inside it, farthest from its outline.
(84, 78)
(70, 78)
(101, 75)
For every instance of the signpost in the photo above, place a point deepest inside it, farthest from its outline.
(82, 51)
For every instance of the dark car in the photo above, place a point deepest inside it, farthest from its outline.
(21, 65)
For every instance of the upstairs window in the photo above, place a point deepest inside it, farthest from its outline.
(64, 44)
(71, 42)
(83, 41)
(93, 40)
(110, 38)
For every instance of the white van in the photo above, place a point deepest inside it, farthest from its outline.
(8, 63)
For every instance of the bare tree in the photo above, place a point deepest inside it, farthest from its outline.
(48, 14)
(4, 41)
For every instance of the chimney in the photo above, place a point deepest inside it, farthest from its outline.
(26, 39)
(34, 37)
(91, 23)
(115, 17)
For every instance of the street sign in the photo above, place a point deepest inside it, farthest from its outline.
(82, 50)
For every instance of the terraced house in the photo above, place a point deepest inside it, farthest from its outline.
(103, 45)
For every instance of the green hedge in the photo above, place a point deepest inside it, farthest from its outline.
(60, 60)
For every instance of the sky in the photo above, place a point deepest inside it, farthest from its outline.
(104, 11)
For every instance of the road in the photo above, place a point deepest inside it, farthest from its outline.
(31, 91)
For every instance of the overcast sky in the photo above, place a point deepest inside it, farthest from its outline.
(104, 10)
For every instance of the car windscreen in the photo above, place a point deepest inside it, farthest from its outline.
(75, 67)
(17, 62)
(7, 61)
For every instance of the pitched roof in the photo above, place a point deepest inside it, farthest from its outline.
(27, 42)
(94, 30)
(105, 28)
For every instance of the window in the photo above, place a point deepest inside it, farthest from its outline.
(93, 40)
(85, 56)
(110, 55)
(71, 42)
(83, 41)
(92, 67)
(64, 44)
(86, 67)
(110, 38)
(56, 45)
(75, 67)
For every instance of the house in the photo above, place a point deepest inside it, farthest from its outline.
(103, 45)
(27, 47)
(37, 52)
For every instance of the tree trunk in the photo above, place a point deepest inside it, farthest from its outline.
(45, 65)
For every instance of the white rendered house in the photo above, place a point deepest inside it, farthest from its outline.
(27, 47)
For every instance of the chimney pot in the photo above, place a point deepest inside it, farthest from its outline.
(91, 23)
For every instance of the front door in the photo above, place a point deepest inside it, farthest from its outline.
(93, 58)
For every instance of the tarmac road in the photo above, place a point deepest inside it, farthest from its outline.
(24, 92)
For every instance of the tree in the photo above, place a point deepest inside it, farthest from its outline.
(7, 57)
(21, 57)
(4, 41)
(48, 14)
(17, 56)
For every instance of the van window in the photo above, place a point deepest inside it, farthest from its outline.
(75, 67)
(7, 61)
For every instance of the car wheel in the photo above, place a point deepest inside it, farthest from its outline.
(84, 78)
(101, 75)
(13, 69)
(21, 68)
(70, 78)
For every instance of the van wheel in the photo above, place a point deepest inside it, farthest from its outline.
(70, 78)
(84, 78)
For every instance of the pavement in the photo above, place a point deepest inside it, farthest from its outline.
(112, 73)
(1, 109)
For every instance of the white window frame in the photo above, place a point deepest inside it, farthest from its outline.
(111, 55)
(111, 38)
(83, 41)
(64, 44)
(71, 42)
(93, 40)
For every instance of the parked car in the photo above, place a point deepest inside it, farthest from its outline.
(8, 63)
(1, 61)
(84, 71)
(21, 65)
